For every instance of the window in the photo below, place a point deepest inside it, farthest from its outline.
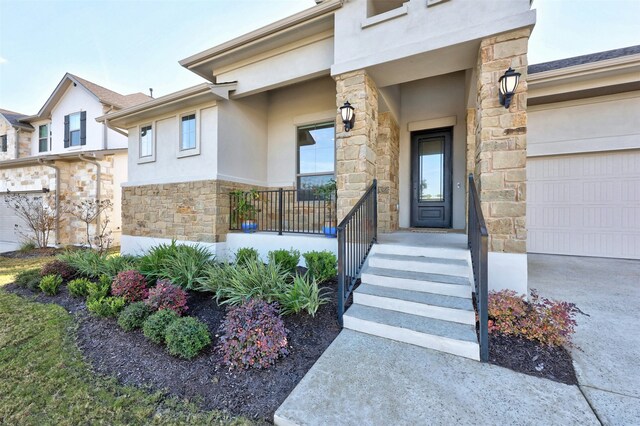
(3, 143)
(74, 129)
(187, 132)
(377, 7)
(43, 138)
(316, 155)
(146, 141)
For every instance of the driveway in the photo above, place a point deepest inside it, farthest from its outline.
(607, 359)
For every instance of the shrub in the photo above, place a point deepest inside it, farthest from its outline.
(167, 296)
(131, 285)
(155, 326)
(100, 289)
(246, 255)
(287, 259)
(50, 284)
(253, 335)
(183, 265)
(114, 264)
(321, 265)
(133, 316)
(186, 337)
(59, 267)
(27, 245)
(29, 278)
(79, 287)
(214, 275)
(303, 294)
(106, 306)
(88, 263)
(547, 321)
(252, 280)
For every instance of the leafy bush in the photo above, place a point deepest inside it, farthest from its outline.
(321, 265)
(167, 296)
(100, 289)
(114, 264)
(50, 284)
(214, 275)
(546, 321)
(252, 280)
(253, 335)
(79, 287)
(186, 337)
(246, 255)
(183, 265)
(131, 285)
(155, 326)
(133, 316)
(59, 267)
(27, 245)
(106, 306)
(29, 278)
(287, 259)
(303, 294)
(88, 263)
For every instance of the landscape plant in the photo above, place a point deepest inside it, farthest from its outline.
(182, 264)
(302, 294)
(186, 337)
(321, 265)
(88, 263)
(98, 290)
(94, 212)
(106, 306)
(167, 296)
(50, 284)
(245, 255)
(131, 285)
(287, 259)
(79, 287)
(251, 280)
(253, 335)
(539, 319)
(59, 267)
(38, 213)
(133, 316)
(155, 327)
(28, 278)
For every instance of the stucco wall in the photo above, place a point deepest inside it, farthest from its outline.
(305, 103)
(428, 99)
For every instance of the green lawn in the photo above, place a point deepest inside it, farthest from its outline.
(45, 381)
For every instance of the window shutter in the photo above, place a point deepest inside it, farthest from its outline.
(83, 128)
(66, 131)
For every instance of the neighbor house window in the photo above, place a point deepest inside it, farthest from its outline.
(146, 141)
(316, 155)
(43, 138)
(187, 132)
(3, 143)
(74, 129)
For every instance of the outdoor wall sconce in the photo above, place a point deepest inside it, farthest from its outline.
(348, 117)
(508, 84)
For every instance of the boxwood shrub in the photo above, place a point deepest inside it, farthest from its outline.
(133, 316)
(155, 326)
(29, 278)
(186, 337)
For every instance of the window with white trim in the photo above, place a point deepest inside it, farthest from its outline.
(188, 132)
(74, 129)
(43, 138)
(146, 141)
(316, 154)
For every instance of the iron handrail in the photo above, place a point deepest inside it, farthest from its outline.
(357, 233)
(478, 246)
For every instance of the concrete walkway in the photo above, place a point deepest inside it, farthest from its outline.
(608, 361)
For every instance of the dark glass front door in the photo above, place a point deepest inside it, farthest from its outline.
(431, 179)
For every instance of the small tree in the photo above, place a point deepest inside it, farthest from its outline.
(88, 211)
(38, 213)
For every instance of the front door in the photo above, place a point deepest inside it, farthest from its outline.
(431, 179)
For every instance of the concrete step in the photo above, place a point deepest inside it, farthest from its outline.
(417, 281)
(444, 336)
(429, 265)
(438, 306)
(426, 251)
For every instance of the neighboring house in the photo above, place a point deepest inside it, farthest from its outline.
(63, 151)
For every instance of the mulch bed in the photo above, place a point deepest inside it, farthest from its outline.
(255, 394)
(532, 358)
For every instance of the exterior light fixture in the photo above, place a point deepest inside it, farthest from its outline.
(348, 117)
(508, 84)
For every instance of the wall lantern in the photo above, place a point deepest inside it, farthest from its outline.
(508, 84)
(348, 117)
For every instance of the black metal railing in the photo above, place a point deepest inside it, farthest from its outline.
(299, 211)
(357, 233)
(478, 240)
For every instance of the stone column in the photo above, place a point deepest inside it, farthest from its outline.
(387, 172)
(356, 149)
(501, 143)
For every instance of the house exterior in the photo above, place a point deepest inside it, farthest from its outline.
(424, 89)
(64, 152)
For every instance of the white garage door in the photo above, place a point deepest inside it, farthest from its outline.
(585, 204)
(9, 240)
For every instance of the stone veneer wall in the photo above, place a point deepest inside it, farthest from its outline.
(500, 142)
(356, 149)
(27, 178)
(387, 172)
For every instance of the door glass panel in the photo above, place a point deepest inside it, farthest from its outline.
(431, 157)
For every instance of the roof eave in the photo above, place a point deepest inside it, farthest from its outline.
(26, 161)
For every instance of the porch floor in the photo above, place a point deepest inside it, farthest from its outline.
(425, 238)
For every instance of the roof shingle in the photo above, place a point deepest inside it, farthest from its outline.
(584, 59)
(110, 97)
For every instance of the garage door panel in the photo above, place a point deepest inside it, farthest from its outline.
(586, 204)
(9, 238)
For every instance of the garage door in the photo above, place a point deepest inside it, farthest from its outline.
(585, 204)
(9, 240)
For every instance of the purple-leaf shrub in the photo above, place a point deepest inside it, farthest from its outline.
(547, 321)
(59, 267)
(167, 296)
(253, 335)
(131, 285)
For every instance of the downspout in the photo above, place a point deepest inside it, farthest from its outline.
(57, 196)
(17, 147)
(105, 131)
(98, 181)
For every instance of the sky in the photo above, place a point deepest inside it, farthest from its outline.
(130, 46)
